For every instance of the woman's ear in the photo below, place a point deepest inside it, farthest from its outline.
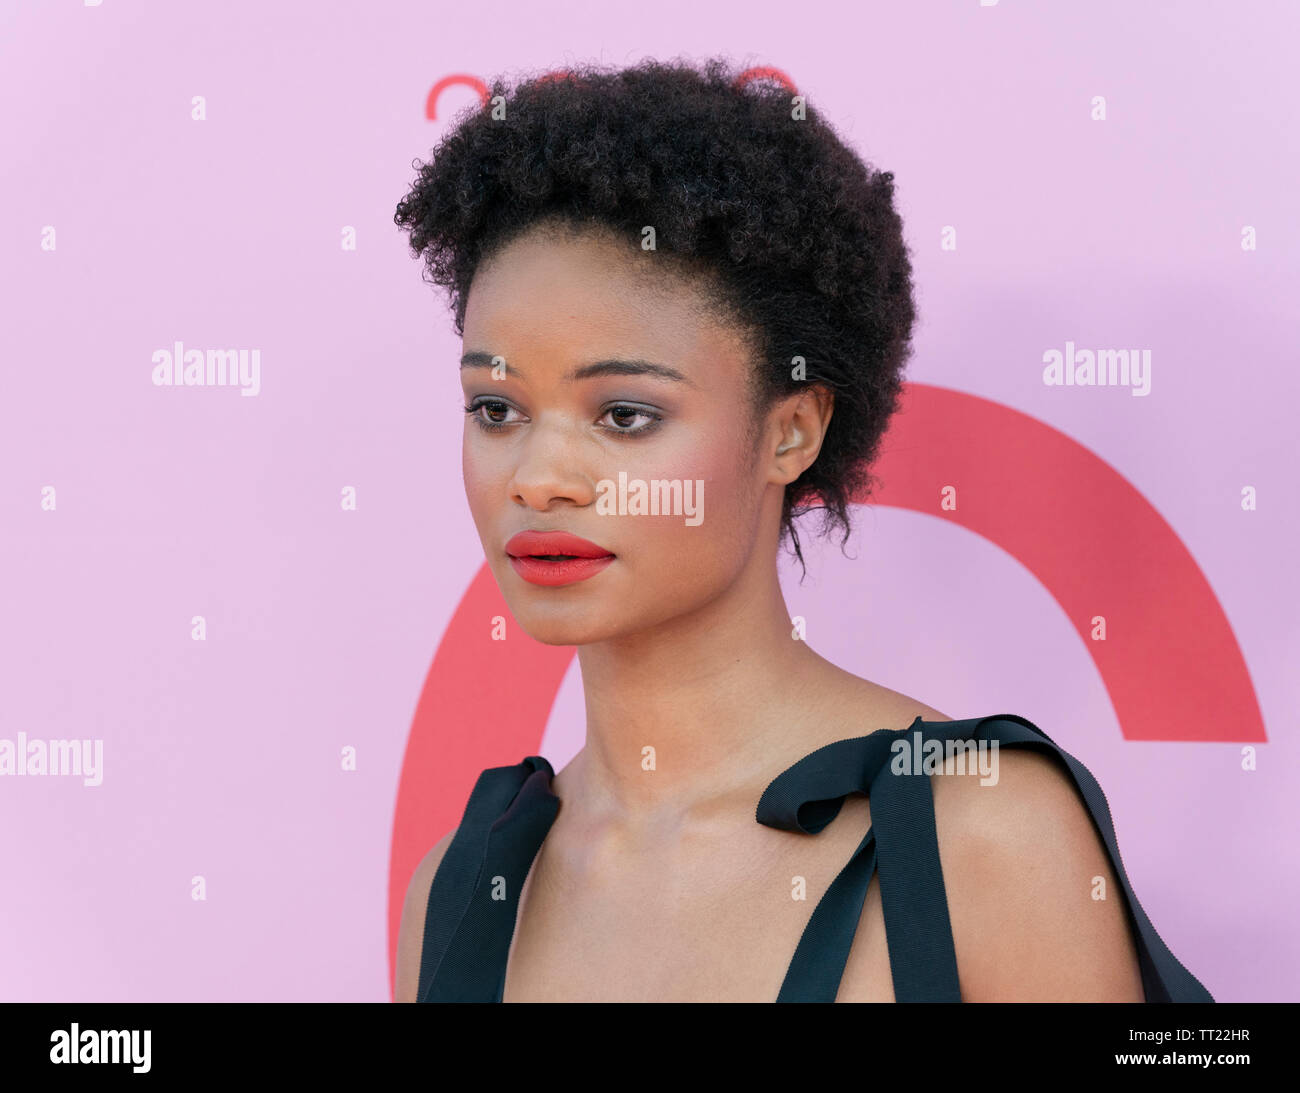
(801, 422)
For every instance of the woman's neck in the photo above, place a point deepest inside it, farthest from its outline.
(685, 716)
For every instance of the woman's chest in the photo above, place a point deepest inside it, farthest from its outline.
(717, 922)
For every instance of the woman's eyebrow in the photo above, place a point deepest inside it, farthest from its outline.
(612, 367)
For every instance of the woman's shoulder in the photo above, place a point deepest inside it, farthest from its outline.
(410, 931)
(1036, 907)
(986, 785)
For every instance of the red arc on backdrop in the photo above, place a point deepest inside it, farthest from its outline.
(480, 88)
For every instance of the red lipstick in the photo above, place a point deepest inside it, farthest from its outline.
(555, 557)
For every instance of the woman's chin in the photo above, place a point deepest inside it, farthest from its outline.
(561, 632)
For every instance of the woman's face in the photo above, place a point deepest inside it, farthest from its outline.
(572, 321)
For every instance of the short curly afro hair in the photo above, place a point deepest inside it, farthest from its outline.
(796, 236)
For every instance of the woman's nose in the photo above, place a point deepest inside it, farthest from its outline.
(550, 468)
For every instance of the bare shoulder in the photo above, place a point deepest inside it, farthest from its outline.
(1037, 913)
(410, 934)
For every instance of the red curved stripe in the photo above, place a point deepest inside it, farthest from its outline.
(484, 704)
(457, 80)
(1170, 662)
(765, 72)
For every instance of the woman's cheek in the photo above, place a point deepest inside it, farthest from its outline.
(480, 473)
(699, 539)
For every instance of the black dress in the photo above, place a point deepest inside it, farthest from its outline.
(470, 920)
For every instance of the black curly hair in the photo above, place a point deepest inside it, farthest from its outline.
(794, 235)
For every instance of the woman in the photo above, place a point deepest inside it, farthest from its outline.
(682, 288)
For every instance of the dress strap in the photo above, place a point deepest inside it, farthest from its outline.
(903, 845)
(818, 964)
(1164, 979)
(474, 897)
(913, 901)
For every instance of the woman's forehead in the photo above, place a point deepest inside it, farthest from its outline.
(591, 295)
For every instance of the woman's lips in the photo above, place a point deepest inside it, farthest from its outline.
(555, 557)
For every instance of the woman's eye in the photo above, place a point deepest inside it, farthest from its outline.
(625, 419)
(489, 413)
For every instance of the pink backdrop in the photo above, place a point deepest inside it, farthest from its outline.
(127, 225)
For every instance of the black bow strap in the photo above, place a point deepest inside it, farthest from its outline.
(903, 845)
